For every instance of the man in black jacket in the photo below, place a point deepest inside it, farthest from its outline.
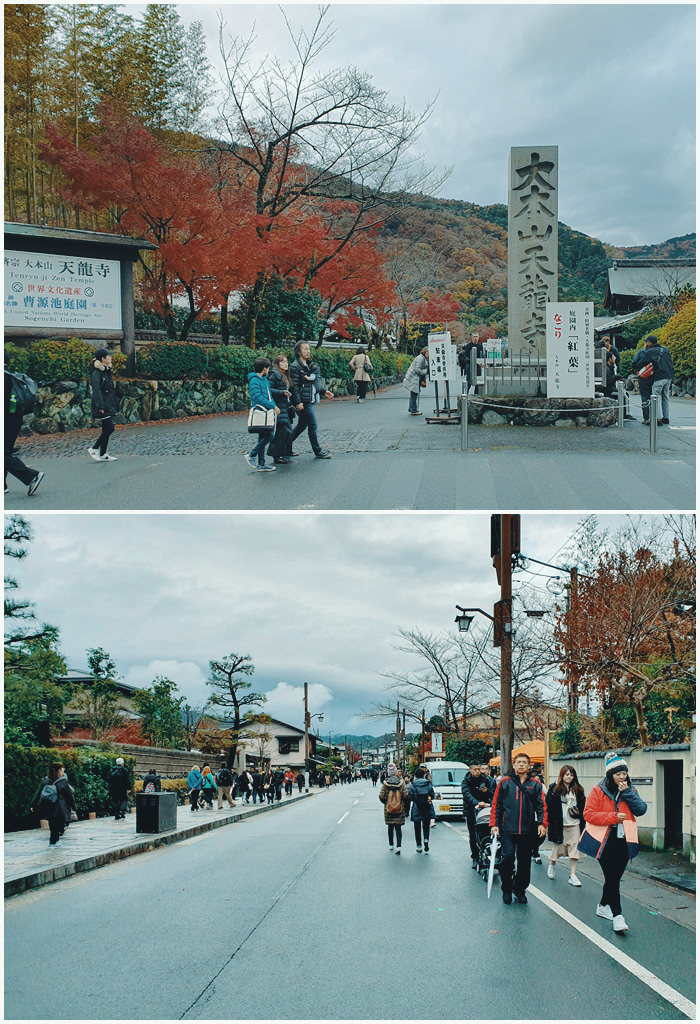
(119, 788)
(31, 478)
(477, 791)
(516, 801)
(642, 359)
(662, 375)
(306, 384)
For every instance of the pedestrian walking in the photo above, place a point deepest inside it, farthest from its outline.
(194, 784)
(20, 399)
(260, 395)
(536, 839)
(393, 794)
(421, 794)
(224, 784)
(209, 786)
(307, 388)
(662, 375)
(516, 800)
(151, 782)
(415, 379)
(362, 370)
(54, 802)
(565, 803)
(258, 786)
(477, 792)
(245, 785)
(374, 775)
(119, 786)
(105, 405)
(611, 835)
(300, 781)
(281, 389)
(288, 781)
(277, 783)
(644, 369)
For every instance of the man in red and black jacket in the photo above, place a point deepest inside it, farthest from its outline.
(517, 800)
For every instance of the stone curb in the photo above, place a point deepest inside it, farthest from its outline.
(36, 879)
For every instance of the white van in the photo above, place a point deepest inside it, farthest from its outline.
(447, 782)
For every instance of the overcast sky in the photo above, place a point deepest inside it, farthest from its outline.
(314, 598)
(613, 85)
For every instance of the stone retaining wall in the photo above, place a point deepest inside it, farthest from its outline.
(492, 411)
(65, 405)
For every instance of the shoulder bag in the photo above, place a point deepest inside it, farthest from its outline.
(261, 419)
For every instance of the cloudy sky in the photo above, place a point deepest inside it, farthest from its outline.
(314, 598)
(613, 85)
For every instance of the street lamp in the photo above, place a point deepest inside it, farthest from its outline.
(307, 726)
(464, 621)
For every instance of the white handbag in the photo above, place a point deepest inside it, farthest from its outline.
(261, 419)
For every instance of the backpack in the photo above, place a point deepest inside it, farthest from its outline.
(149, 787)
(224, 777)
(394, 801)
(49, 794)
(24, 391)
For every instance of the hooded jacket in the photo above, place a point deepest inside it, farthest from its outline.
(420, 793)
(304, 390)
(194, 779)
(393, 782)
(259, 391)
(104, 394)
(515, 805)
(600, 815)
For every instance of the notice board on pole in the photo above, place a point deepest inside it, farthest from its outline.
(442, 356)
(570, 350)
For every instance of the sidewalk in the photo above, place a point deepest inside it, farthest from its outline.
(31, 863)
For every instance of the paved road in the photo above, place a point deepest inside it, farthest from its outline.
(382, 459)
(304, 914)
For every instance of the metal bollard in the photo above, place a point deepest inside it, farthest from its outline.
(653, 417)
(620, 404)
(465, 417)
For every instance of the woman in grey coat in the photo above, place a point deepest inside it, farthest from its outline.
(417, 372)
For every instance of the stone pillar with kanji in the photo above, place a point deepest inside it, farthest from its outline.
(533, 243)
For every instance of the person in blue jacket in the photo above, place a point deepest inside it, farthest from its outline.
(259, 391)
(421, 795)
(194, 783)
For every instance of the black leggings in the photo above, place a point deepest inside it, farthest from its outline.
(103, 439)
(424, 826)
(613, 860)
(391, 834)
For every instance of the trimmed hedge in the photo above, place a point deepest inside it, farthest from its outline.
(177, 786)
(679, 335)
(172, 360)
(87, 771)
(50, 361)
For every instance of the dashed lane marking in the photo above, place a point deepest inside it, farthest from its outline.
(343, 818)
(647, 977)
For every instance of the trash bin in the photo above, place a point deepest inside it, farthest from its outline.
(156, 812)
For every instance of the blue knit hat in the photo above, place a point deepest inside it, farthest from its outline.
(615, 763)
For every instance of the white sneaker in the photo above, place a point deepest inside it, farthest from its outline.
(605, 912)
(391, 847)
(93, 453)
(106, 458)
(550, 870)
(620, 925)
(573, 880)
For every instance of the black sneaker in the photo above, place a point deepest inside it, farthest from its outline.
(507, 897)
(323, 454)
(520, 897)
(475, 865)
(426, 847)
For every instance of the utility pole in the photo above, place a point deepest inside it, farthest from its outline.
(422, 736)
(398, 735)
(505, 542)
(307, 722)
(572, 672)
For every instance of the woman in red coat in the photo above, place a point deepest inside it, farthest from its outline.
(611, 833)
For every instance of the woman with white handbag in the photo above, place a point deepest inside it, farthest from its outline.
(263, 414)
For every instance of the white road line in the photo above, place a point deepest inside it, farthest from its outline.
(343, 818)
(614, 952)
(356, 803)
(653, 982)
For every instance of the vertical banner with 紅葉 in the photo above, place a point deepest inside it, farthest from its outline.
(570, 350)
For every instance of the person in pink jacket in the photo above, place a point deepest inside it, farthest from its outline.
(611, 833)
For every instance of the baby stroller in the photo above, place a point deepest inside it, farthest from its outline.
(482, 826)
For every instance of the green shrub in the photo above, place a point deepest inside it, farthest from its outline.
(626, 358)
(679, 336)
(172, 360)
(234, 362)
(646, 323)
(47, 361)
(87, 771)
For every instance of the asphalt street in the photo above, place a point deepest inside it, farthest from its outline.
(305, 915)
(382, 459)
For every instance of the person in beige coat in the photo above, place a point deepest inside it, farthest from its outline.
(362, 377)
(393, 795)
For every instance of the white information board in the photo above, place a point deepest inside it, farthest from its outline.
(69, 292)
(442, 356)
(436, 742)
(570, 350)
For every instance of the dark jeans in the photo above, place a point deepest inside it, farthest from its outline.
(103, 439)
(413, 401)
(57, 826)
(208, 795)
(613, 860)
(307, 421)
(645, 387)
(120, 804)
(362, 388)
(259, 451)
(13, 464)
(392, 829)
(422, 826)
(512, 845)
(194, 799)
(258, 794)
(473, 845)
